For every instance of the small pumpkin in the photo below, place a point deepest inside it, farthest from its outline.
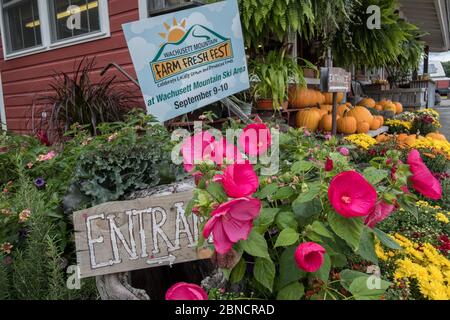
(342, 109)
(361, 114)
(390, 107)
(410, 140)
(326, 124)
(436, 136)
(367, 102)
(376, 124)
(382, 138)
(363, 127)
(329, 97)
(381, 119)
(346, 124)
(401, 137)
(398, 107)
(308, 118)
(300, 98)
(378, 107)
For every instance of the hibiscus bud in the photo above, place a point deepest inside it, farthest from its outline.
(196, 210)
(309, 256)
(329, 165)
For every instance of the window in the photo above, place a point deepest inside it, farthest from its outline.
(21, 24)
(155, 7)
(30, 26)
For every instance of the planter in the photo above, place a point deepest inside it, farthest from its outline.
(267, 104)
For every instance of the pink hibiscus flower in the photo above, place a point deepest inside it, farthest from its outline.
(422, 179)
(222, 151)
(351, 195)
(231, 222)
(240, 180)
(186, 291)
(382, 211)
(195, 148)
(255, 139)
(309, 256)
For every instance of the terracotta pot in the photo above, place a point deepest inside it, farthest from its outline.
(265, 104)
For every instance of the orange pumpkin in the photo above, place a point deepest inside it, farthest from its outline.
(381, 119)
(346, 124)
(379, 107)
(398, 107)
(367, 102)
(342, 109)
(326, 124)
(326, 107)
(329, 97)
(361, 114)
(300, 98)
(436, 136)
(362, 127)
(375, 125)
(401, 137)
(382, 138)
(308, 118)
(410, 140)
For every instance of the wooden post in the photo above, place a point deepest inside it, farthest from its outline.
(334, 114)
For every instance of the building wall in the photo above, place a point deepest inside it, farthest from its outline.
(26, 79)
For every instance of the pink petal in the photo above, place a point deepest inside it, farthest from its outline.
(240, 180)
(382, 211)
(209, 226)
(255, 139)
(422, 179)
(222, 243)
(245, 209)
(236, 229)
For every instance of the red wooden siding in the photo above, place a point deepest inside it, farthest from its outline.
(27, 78)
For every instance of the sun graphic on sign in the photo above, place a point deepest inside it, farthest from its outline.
(175, 32)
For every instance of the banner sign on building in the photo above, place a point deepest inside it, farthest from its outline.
(188, 59)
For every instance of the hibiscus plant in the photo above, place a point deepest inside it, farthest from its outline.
(298, 234)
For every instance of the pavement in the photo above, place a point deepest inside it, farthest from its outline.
(444, 111)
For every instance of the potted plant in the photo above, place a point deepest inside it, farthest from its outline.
(272, 76)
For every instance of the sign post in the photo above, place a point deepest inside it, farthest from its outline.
(188, 59)
(334, 80)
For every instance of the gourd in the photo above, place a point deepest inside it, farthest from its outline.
(436, 136)
(398, 107)
(410, 140)
(300, 97)
(342, 109)
(329, 97)
(363, 127)
(382, 138)
(376, 124)
(367, 102)
(381, 119)
(308, 118)
(361, 114)
(326, 124)
(346, 124)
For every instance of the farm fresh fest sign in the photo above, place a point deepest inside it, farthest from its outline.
(188, 59)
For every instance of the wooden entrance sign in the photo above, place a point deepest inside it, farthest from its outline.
(123, 236)
(335, 80)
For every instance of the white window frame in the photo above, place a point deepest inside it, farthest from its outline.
(47, 44)
(3, 124)
(143, 9)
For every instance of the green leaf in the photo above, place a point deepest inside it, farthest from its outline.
(293, 291)
(324, 272)
(319, 228)
(289, 272)
(265, 219)
(306, 210)
(238, 272)
(286, 219)
(386, 240)
(347, 229)
(283, 193)
(264, 272)
(312, 193)
(217, 192)
(301, 166)
(347, 276)
(374, 175)
(368, 288)
(267, 191)
(286, 238)
(367, 246)
(255, 245)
